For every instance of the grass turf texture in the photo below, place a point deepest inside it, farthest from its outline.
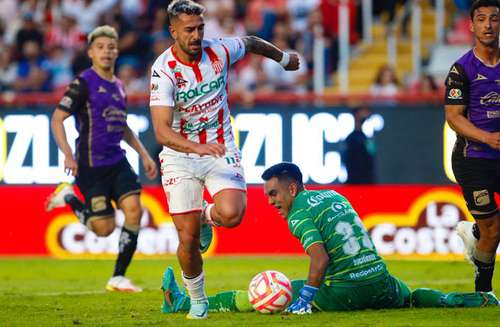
(46, 292)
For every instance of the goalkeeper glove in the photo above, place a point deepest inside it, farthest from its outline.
(303, 303)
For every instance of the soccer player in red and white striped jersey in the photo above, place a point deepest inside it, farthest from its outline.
(190, 116)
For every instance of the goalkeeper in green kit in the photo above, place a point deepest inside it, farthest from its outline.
(345, 271)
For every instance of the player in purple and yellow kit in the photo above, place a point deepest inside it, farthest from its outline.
(97, 100)
(472, 106)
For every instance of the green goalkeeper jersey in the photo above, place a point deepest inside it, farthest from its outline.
(327, 217)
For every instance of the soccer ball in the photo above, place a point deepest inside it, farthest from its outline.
(270, 291)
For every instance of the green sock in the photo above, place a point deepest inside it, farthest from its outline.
(427, 298)
(231, 301)
(235, 301)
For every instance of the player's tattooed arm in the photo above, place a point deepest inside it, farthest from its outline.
(256, 45)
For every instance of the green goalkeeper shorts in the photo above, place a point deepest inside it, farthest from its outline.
(383, 292)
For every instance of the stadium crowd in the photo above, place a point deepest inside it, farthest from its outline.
(43, 42)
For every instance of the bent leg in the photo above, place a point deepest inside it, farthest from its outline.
(127, 243)
(228, 208)
(484, 254)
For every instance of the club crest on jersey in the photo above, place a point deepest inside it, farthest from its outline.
(218, 66)
(181, 82)
(455, 94)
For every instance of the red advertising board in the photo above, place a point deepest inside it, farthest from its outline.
(402, 220)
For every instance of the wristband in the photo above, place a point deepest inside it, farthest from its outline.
(307, 292)
(285, 60)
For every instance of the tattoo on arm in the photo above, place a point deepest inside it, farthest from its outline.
(254, 44)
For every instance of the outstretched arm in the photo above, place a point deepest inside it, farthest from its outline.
(254, 44)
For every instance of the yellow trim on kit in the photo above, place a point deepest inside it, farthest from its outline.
(89, 111)
(138, 191)
(447, 151)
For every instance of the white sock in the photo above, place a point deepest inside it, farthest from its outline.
(195, 286)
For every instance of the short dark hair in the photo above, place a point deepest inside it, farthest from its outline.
(188, 7)
(483, 3)
(284, 170)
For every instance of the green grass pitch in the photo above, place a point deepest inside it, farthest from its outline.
(46, 292)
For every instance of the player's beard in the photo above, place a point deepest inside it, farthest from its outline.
(192, 53)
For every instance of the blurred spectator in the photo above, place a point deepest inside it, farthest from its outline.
(426, 85)
(65, 34)
(80, 62)
(28, 32)
(8, 70)
(262, 15)
(359, 156)
(87, 12)
(280, 79)
(33, 71)
(159, 25)
(299, 11)
(45, 12)
(330, 20)
(251, 80)
(131, 81)
(160, 44)
(134, 43)
(8, 14)
(463, 5)
(460, 31)
(59, 66)
(386, 82)
(223, 24)
(132, 9)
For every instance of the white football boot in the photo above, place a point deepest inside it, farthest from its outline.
(464, 230)
(122, 284)
(56, 199)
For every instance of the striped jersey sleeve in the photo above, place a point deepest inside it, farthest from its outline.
(302, 227)
(234, 48)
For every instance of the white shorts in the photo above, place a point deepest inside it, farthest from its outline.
(185, 176)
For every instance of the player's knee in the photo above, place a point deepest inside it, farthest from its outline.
(104, 230)
(133, 215)
(231, 217)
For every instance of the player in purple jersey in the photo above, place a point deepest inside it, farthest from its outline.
(97, 100)
(472, 106)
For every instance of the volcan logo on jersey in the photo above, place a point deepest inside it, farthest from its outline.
(427, 227)
(201, 89)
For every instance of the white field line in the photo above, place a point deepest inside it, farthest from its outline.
(69, 293)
